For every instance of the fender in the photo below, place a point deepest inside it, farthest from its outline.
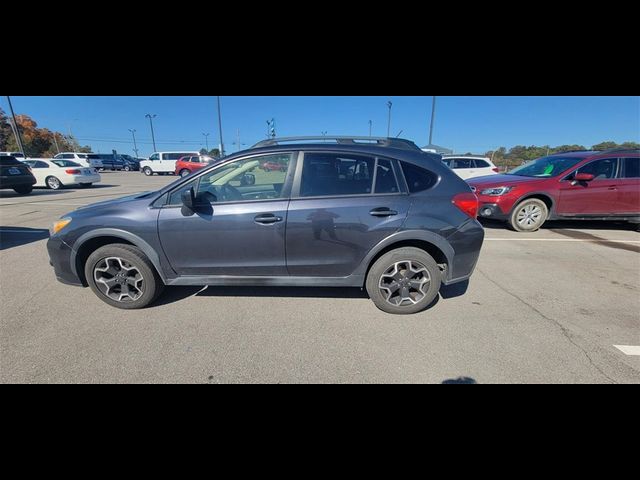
(552, 210)
(147, 249)
(424, 235)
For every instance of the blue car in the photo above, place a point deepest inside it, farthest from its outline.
(374, 213)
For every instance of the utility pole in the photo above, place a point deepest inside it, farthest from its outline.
(220, 127)
(135, 146)
(370, 128)
(271, 128)
(433, 118)
(206, 139)
(153, 137)
(389, 104)
(55, 140)
(238, 139)
(16, 130)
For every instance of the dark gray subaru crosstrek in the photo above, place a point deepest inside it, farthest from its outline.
(341, 212)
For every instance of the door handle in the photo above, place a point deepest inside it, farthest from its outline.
(383, 212)
(267, 219)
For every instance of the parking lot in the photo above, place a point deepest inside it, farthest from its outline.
(544, 307)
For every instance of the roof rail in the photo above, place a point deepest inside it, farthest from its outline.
(618, 150)
(378, 141)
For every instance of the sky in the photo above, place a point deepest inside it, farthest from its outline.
(463, 123)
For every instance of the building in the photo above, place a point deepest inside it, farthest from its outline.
(437, 149)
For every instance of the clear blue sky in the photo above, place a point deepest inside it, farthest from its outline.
(475, 124)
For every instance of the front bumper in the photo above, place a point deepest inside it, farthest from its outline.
(491, 210)
(60, 260)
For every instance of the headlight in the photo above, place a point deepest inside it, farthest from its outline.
(496, 192)
(59, 225)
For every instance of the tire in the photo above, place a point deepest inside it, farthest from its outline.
(53, 183)
(528, 216)
(23, 189)
(147, 171)
(127, 169)
(425, 272)
(85, 185)
(185, 172)
(126, 263)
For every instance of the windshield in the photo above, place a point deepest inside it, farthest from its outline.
(546, 167)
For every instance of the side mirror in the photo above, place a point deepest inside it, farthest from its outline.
(189, 199)
(584, 177)
(248, 179)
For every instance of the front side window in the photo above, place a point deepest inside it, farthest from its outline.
(325, 175)
(604, 169)
(155, 157)
(631, 167)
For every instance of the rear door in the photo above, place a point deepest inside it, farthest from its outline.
(342, 205)
(598, 197)
(629, 188)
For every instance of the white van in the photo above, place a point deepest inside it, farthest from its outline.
(80, 159)
(163, 162)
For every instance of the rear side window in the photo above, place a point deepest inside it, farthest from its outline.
(418, 179)
(482, 164)
(325, 175)
(462, 163)
(631, 167)
(386, 181)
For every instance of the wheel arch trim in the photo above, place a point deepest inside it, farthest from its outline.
(135, 240)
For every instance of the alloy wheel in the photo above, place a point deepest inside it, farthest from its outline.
(529, 216)
(118, 279)
(405, 283)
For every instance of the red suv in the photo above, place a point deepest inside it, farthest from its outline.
(187, 165)
(573, 185)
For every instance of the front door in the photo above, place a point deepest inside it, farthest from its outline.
(597, 197)
(343, 206)
(240, 231)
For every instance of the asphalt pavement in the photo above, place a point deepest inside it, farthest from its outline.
(558, 306)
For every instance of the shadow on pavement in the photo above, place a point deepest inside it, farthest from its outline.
(460, 381)
(572, 224)
(16, 236)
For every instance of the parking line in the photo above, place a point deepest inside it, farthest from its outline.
(574, 240)
(630, 350)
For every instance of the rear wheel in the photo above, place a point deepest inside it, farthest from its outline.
(23, 189)
(123, 277)
(404, 281)
(127, 168)
(147, 171)
(529, 215)
(185, 172)
(53, 183)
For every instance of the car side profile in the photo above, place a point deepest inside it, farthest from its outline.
(372, 213)
(15, 175)
(163, 163)
(585, 185)
(81, 159)
(55, 174)
(467, 167)
(192, 163)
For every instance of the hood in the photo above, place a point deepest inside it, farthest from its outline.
(115, 202)
(502, 181)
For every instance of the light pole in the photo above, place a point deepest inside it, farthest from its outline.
(433, 118)
(324, 134)
(370, 128)
(16, 130)
(153, 137)
(389, 104)
(135, 146)
(206, 139)
(271, 128)
(55, 140)
(220, 128)
(237, 142)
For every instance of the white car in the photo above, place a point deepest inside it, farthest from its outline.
(467, 167)
(55, 174)
(163, 162)
(80, 158)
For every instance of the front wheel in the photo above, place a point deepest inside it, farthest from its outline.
(123, 277)
(404, 281)
(529, 216)
(53, 183)
(185, 172)
(127, 169)
(147, 171)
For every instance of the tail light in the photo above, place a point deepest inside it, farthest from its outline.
(496, 169)
(73, 172)
(468, 203)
